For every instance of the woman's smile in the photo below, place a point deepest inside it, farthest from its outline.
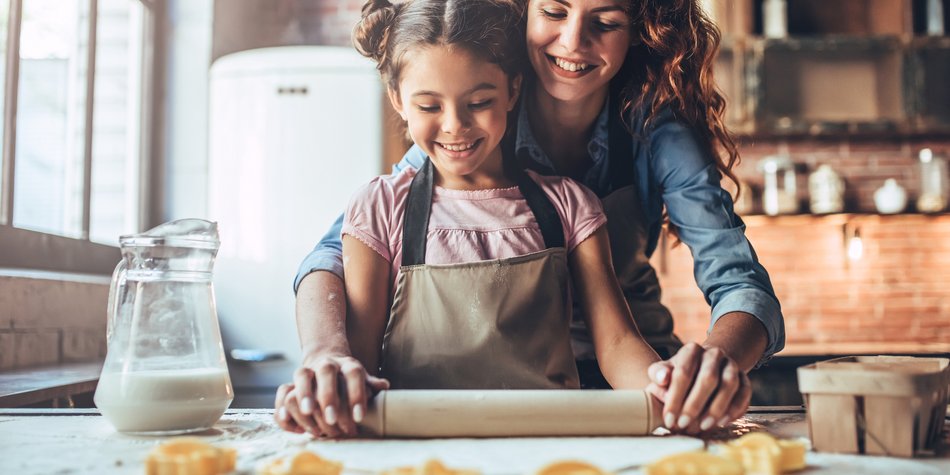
(577, 47)
(569, 68)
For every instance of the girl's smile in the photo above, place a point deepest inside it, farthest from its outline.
(460, 150)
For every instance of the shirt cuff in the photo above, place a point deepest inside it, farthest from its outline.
(313, 263)
(760, 305)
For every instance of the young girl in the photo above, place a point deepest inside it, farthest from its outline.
(460, 274)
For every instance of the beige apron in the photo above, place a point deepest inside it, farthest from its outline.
(497, 324)
(626, 227)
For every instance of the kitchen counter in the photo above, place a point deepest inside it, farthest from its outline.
(43, 441)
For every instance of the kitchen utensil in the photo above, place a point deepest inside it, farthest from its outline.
(511, 413)
(775, 18)
(934, 184)
(165, 371)
(935, 23)
(826, 191)
(779, 194)
(890, 198)
(888, 405)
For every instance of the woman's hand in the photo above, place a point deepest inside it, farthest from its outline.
(701, 388)
(327, 398)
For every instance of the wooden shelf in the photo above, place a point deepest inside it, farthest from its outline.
(758, 220)
(33, 385)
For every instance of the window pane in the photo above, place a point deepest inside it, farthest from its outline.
(48, 180)
(116, 126)
(4, 23)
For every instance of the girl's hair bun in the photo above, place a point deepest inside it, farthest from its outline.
(371, 34)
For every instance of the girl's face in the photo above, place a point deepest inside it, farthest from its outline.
(577, 46)
(456, 106)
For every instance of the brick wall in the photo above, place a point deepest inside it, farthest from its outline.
(47, 319)
(247, 24)
(893, 298)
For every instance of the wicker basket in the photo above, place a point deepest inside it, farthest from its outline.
(888, 405)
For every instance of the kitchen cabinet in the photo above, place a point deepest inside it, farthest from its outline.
(85, 443)
(929, 58)
(828, 85)
(847, 68)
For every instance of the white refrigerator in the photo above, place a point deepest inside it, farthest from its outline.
(293, 132)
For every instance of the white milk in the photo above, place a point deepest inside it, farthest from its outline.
(164, 400)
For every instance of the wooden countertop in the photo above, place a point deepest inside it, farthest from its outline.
(864, 348)
(81, 441)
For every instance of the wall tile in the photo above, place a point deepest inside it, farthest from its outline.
(80, 344)
(7, 347)
(895, 294)
(36, 348)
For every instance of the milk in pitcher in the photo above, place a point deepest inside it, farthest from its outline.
(164, 401)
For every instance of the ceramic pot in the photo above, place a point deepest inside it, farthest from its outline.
(890, 198)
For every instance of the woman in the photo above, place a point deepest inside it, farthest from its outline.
(603, 67)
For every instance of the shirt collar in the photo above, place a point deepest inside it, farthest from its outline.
(527, 146)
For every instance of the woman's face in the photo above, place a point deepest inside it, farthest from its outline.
(577, 46)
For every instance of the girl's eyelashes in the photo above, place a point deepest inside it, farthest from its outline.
(481, 104)
(474, 106)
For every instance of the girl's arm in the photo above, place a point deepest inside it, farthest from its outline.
(367, 301)
(622, 353)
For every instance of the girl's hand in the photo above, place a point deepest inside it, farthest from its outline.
(701, 388)
(342, 388)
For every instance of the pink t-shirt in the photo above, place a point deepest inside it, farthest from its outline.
(468, 226)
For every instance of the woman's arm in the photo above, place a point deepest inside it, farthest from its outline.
(335, 354)
(622, 353)
(706, 385)
(320, 314)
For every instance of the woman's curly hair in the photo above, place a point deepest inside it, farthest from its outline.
(671, 65)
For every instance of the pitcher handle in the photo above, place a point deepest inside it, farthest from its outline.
(118, 281)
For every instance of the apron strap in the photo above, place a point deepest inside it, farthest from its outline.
(419, 204)
(620, 154)
(416, 222)
(549, 220)
(544, 212)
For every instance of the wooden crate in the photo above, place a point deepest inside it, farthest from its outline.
(887, 405)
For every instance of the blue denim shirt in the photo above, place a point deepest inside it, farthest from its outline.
(672, 170)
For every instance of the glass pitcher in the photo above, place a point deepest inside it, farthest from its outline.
(165, 371)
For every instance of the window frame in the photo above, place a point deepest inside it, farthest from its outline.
(28, 249)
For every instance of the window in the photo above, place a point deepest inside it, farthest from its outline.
(75, 78)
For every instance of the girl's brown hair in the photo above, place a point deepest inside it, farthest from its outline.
(490, 29)
(671, 65)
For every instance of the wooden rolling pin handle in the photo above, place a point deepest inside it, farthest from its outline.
(510, 413)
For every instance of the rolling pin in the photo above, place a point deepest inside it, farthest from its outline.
(510, 413)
